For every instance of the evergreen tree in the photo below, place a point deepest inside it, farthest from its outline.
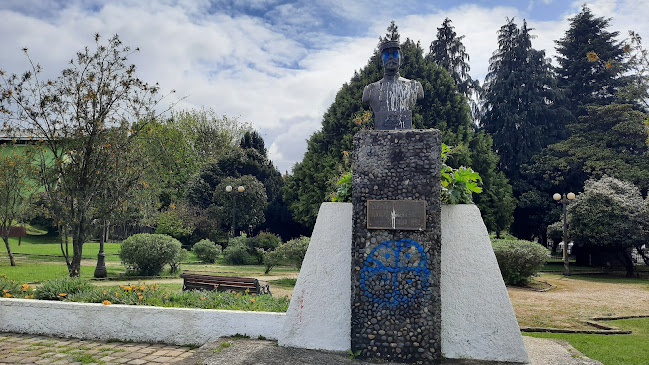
(585, 81)
(448, 51)
(520, 100)
(442, 108)
(250, 159)
(608, 140)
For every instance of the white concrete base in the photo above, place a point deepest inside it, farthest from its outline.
(179, 326)
(478, 321)
(319, 315)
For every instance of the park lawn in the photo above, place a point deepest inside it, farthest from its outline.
(40, 272)
(611, 349)
(50, 246)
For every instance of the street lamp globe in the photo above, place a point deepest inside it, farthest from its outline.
(556, 196)
(241, 189)
(570, 196)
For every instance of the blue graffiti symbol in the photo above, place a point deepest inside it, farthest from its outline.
(395, 273)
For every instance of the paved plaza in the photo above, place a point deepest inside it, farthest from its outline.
(33, 349)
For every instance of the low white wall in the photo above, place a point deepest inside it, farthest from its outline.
(320, 310)
(478, 321)
(179, 326)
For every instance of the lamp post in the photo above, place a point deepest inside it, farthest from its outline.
(564, 200)
(229, 189)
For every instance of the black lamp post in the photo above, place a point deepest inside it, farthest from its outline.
(229, 189)
(564, 200)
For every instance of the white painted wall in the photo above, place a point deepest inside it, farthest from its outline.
(478, 321)
(179, 326)
(319, 314)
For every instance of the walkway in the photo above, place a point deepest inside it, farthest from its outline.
(33, 349)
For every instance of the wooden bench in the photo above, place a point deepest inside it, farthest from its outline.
(200, 281)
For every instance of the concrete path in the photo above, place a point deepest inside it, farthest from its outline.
(32, 349)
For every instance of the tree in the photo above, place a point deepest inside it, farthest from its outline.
(442, 107)
(183, 144)
(496, 202)
(610, 214)
(637, 90)
(16, 188)
(586, 83)
(520, 101)
(250, 158)
(448, 52)
(88, 119)
(240, 210)
(607, 140)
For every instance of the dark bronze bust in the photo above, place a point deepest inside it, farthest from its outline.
(393, 97)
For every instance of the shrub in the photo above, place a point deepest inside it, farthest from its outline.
(519, 260)
(173, 223)
(261, 243)
(60, 289)
(147, 254)
(291, 252)
(237, 252)
(271, 259)
(295, 250)
(206, 251)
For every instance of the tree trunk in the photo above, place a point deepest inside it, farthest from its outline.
(555, 245)
(78, 237)
(11, 255)
(627, 261)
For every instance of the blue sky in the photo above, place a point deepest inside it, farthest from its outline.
(276, 64)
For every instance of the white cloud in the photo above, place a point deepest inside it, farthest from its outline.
(279, 72)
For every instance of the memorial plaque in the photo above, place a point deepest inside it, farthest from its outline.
(396, 214)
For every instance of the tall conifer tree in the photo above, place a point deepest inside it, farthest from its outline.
(585, 81)
(520, 100)
(448, 51)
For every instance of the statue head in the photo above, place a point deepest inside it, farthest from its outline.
(390, 56)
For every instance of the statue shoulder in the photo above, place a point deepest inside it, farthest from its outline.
(368, 91)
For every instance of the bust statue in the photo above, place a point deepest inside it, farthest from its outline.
(392, 97)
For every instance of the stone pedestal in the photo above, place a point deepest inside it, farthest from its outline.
(395, 288)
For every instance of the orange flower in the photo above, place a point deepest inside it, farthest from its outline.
(104, 292)
(63, 295)
(117, 295)
(252, 300)
(105, 302)
(608, 65)
(202, 298)
(140, 297)
(238, 294)
(8, 295)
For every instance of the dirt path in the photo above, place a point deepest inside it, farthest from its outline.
(575, 300)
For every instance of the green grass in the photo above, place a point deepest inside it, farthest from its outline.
(285, 282)
(37, 273)
(50, 246)
(87, 359)
(611, 349)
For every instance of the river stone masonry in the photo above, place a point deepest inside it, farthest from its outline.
(395, 289)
